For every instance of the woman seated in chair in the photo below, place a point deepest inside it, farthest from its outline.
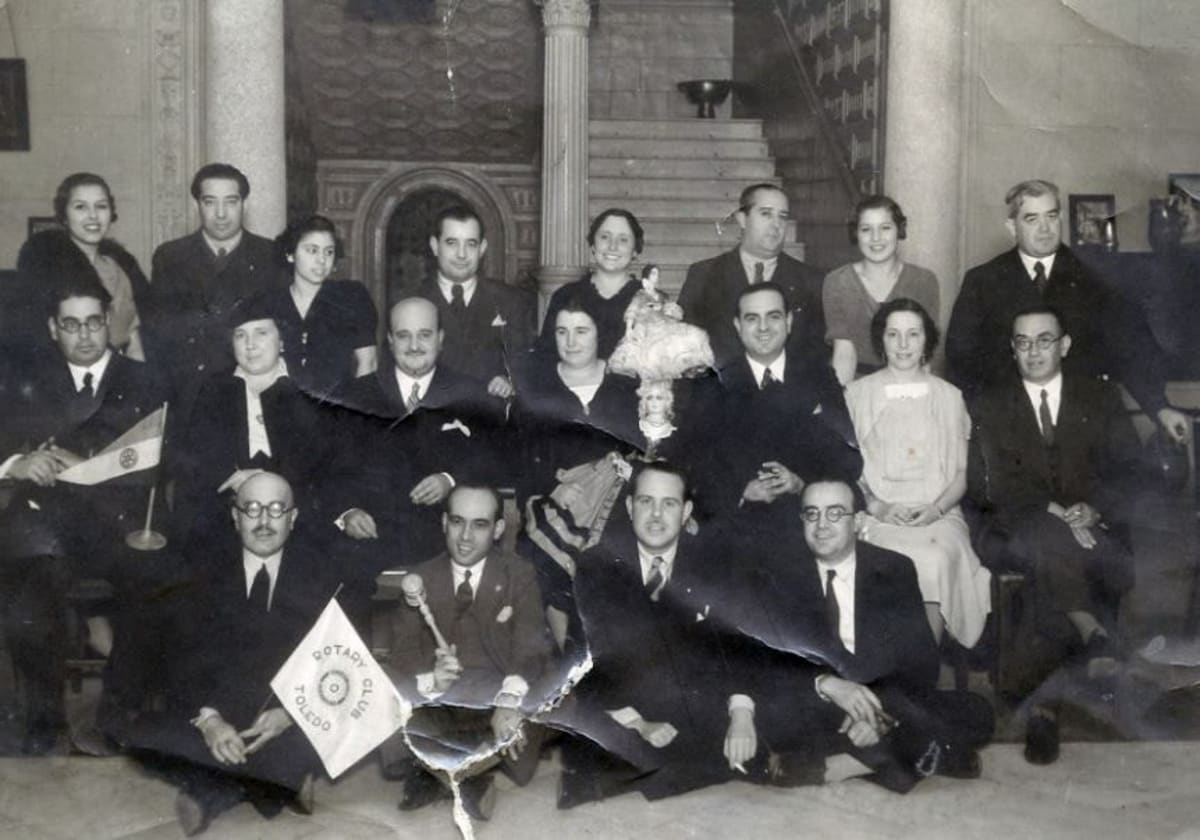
(913, 429)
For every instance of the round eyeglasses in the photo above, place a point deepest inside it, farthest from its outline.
(275, 510)
(833, 515)
(1024, 344)
(94, 323)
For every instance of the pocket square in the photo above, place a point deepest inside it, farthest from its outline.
(456, 424)
(504, 614)
(499, 321)
(818, 409)
(700, 616)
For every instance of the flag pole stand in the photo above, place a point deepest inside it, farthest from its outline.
(147, 539)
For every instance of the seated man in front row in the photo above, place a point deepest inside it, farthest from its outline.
(658, 713)
(1045, 456)
(471, 692)
(223, 737)
(872, 707)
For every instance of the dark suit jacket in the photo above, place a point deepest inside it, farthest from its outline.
(801, 422)
(664, 659)
(394, 450)
(1109, 335)
(228, 652)
(709, 300)
(213, 442)
(499, 327)
(39, 399)
(1011, 473)
(502, 633)
(190, 299)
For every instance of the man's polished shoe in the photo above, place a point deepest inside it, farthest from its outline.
(40, 739)
(421, 789)
(192, 815)
(1041, 739)
(959, 762)
(576, 788)
(303, 801)
(479, 797)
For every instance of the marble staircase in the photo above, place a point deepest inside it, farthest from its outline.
(682, 179)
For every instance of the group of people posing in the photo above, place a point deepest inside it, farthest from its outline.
(757, 510)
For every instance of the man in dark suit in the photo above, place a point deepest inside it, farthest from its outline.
(197, 279)
(471, 694)
(709, 294)
(1046, 453)
(844, 680)
(784, 409)
(223, 738)
(423, 425)
(1111, 335)
(489, 325)
(659, 701)
(60, 406)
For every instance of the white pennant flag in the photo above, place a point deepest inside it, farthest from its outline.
(337, 694)
(138, 449)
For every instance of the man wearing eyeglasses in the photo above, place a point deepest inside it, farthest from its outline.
(1048, 454)
(223, 737)
(62, 403)
(1112, 336)
(709, 293)
(844, 682)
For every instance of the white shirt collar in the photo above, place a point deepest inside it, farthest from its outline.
(468, 287)
(460, 574)
(777, 368)
(230, 245)
(1028, 261)
(748, 262)
(1053, 390)
(406, 382)
(646, 558)
(96, 369)
(251, 563)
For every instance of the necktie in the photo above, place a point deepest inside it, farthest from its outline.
(87, 390)
(1039, 277)
(758, 272)
(833, 614)
(458, 304)
(656, 582)
(1046, 420)
(260, 590)
(768, 379)
(464, 595)
(414, 400)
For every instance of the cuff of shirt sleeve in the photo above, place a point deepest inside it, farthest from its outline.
(207, 713)
(740, 701)
(426, 686)
(512, 691)
(7, 465)
(450, 478)
(817, 688)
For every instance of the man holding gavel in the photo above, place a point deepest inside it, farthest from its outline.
(471, 641)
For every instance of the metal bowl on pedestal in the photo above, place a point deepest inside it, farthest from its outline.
(706, 95)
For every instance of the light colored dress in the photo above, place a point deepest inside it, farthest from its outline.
(914, 441)
(849, 308)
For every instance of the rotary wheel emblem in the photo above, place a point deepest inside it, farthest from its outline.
(334, 688)
(128, 458)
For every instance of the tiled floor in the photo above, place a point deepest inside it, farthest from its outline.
(1095, 791)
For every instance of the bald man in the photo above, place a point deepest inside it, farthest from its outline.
(422, 427)
(223, 737)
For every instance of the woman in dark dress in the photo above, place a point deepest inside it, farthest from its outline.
(616, 240)
(327, 326)
(572, 413)
(84, 206)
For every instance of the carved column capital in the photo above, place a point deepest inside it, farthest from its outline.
(558, 14)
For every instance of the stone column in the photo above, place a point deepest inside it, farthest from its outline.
(564, 145)
(924, 133)
(244, 103)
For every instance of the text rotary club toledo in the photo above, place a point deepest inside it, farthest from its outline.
(338, 682)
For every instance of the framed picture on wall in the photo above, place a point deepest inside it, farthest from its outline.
(14, 106)
(1094, 221)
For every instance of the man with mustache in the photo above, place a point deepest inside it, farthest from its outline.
(223, 737)
(1111, 335)
(421, 426)
(62, 403)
